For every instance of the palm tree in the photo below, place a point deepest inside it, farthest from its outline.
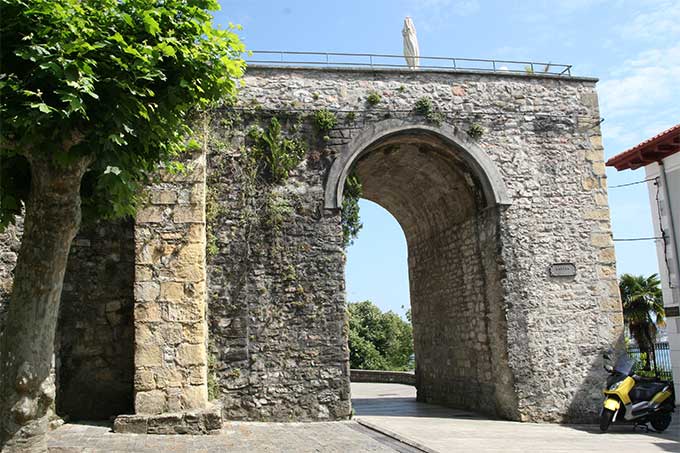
(643, 310)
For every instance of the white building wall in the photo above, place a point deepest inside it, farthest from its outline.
(665, 201)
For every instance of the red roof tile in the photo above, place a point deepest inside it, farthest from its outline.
(651, 150)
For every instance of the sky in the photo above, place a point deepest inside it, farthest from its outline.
(632, 46)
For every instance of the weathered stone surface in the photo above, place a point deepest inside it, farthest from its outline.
(169, 305)
(494, 331)
(204, 421)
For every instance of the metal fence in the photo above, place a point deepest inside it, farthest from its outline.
(383, 61)
(662, 354)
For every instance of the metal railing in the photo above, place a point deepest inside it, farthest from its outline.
(381, 61)
(659, 363)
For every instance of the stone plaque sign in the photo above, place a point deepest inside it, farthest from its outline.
(563, 270)
(672, 312)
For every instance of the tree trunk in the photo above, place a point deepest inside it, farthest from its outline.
(51, 221)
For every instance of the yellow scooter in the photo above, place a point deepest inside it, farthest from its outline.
(635, 399)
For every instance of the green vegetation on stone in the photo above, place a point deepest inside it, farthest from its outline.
(424, 107)
(325, 120)
(280, 154)
(351, 222)
(475, 131)
(373, 98)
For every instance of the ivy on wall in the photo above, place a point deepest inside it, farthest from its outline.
(280, 154)
(351, 223)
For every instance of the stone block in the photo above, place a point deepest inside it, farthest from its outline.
(198, 375)
(150, 214)
(144, 380)
(596, 142)
(165, 423)
(130, 424)
(591, 183)
(607, 255)
(189, 214)
(191, 354)
(148, 312)
(163, 197)
(148, 355)
(143, 273)
(195, 397)
(610, 303)
(196, 233)
(172, 291)
(212, 417)
(601, 199)
(151, 402)
(194, 332)
(599, 168)
(169, 377)
(188, 312)
(171, 333)
(147, 291)
(198, 194)
(601, 239)
(597, 214)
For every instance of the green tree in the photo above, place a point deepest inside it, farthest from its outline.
(643, 310)
(377, 340)
(95, 95)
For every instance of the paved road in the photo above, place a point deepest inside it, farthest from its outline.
(392, 409)
(384, 412)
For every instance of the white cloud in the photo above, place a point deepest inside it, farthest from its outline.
(650, 81)
(660, 21)
(436, 14)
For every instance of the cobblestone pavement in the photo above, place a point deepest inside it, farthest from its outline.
(338, 437)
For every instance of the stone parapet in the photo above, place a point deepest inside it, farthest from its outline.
(382, 376)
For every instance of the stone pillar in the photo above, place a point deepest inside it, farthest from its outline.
(170, 306)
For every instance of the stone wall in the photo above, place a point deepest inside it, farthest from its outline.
(170, 311)
(276, 288)
(542, 134)
(494, 330)
(10, 241)
(459, 343)
(94, 346)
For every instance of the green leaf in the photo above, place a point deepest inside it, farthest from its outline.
(42, 107)
(150, 24)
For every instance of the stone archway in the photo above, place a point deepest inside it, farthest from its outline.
(447, 195)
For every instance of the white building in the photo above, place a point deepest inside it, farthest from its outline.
(660, 155)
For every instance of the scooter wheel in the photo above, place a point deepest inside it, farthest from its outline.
(606, 419)
(660, 422)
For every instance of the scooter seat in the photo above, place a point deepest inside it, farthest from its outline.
(645, 390)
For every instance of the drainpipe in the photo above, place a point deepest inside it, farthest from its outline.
(671, 225)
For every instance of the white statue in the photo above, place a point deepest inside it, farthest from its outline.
(411, 50)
